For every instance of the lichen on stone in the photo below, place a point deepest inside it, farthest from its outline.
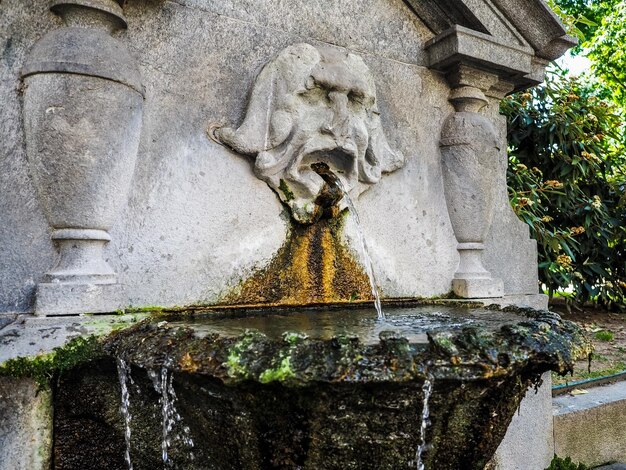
(313, 267)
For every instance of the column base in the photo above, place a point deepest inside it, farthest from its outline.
(74, 299)
(485, 288)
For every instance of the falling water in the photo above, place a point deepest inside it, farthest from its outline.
(336, 186)
(123, 371)
(163, 384)
(427, 390)
(369, 266)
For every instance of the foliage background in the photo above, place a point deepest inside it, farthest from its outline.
(566, 160)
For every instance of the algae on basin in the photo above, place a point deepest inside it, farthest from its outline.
(319, 398)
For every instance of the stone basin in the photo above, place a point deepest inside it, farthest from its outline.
(406, 320)
(310, 389)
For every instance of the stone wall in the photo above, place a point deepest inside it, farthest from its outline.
(198, 221)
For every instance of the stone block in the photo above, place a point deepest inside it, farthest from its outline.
(528, 443)
(75, 299)
(25, 425)
(478, 288)
(589, 428)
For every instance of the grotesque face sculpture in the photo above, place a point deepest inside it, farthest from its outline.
(314, 106)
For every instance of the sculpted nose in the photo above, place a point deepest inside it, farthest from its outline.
(339, 125)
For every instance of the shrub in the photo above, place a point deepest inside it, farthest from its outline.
(566, 182)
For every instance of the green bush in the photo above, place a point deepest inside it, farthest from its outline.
(566, 182)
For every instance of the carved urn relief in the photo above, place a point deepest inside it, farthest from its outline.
(83, 104)
(313, 105)
(470, 151)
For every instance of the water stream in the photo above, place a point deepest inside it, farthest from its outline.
(163, 385)
(123, 371)
(427, 390)
(369, 266)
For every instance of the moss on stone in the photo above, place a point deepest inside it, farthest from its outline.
(44, 367)
(145, 309)
(282, 373)
(284, 187)
(293, 338)
(236, 363)
(314, 266)
(565, 464)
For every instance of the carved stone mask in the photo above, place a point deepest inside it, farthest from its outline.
(309, 105)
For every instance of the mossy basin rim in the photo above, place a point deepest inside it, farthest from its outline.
(463, 339)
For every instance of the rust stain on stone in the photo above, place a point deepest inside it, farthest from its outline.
(312, 267)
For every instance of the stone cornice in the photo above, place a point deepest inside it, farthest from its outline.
(539, 25)
(467, 34)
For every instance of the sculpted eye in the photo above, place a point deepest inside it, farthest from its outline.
(356, 97)
(315, 94)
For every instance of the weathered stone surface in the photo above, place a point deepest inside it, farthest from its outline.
(29, 336)
(534, 340)
(297, 401)
(7, 319)
(25, 425)
(82, 112)
(515, 41)
(510, 254)
(529, 440)
(470, 151)
(536, 301)
(74, 299)
(330, 426)
(27, 251)
(312, 106)
(198, 222)
(539, 26)
(336, 376)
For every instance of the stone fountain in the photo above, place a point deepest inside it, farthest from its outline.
(238, 181)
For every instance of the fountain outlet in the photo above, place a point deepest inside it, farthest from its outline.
(322, 109)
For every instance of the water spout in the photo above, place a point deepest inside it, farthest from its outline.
(123, 371)
(334, 183)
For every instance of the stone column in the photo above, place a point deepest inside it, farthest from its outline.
(83, 102)
(470, 151)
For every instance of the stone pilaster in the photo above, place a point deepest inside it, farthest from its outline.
(470, 150)
(82, 115)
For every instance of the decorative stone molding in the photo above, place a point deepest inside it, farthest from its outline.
(82, 113)
(308, 105)
(512, 39)
(470, 150)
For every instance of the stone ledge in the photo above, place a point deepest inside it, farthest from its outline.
(29, 335)
(589, 428)
(71, 299)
